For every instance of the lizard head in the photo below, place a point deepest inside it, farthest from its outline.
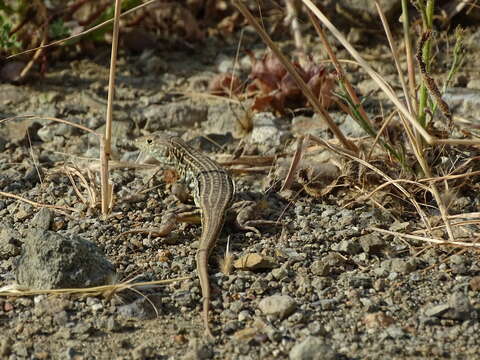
(157, 146)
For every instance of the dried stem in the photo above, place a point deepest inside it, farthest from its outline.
(105, 147)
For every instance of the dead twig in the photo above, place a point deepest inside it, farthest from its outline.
(92, 291)
(429, 240)
(294, 165)
(37, 204)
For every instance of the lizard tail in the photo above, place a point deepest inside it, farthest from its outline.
(202, 266)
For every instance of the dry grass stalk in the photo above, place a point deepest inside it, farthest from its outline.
(394, 51)
(88, 185)
(340, 73)
(37, 204)
(92, 291)
(106, 140)
(373, 74)
(35, 163)
(36, 117)
(294, 165)
(461, 244)
(409, 196)
(226, 263)
(251, 160)
(417, 148)
(292, 20)
(380, 132)
(155, 231)
(409, 53)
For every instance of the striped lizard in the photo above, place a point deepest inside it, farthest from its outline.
(213, 192)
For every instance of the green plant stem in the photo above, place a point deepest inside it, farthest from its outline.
(428, 25)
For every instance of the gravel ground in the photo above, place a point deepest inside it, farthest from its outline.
(321, 284)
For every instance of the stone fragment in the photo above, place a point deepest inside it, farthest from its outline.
(10, 244)
(278, 305)
(43, 219)
(475, 283)
(372, 243)
(254, 261)
(377, 320)
(313, 348)
(50, 260)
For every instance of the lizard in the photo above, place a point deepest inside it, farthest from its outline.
(213, 193)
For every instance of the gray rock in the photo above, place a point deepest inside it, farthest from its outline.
(11, 94)
(361, 11)
(366, 87)
(460, 307)
(113, 325)
(223, 118)
(372, 243)
(327, 304)
(303, 125)
(320, 268)
(278, 305)
(10, 71)
(22, 212)
(34, 175)
(399, 226)
(42, 219)
(457, 259)
(350, 247)
(5, 346)
(351, 128)
(10, 244)
(400, 266)
(70, 353)
(437, 310)
(266, 131)
(60, 318)
(151, 63)
(359, 281)
(141, 308)
(333, 259)
(474, 84)
(48, 132)
(3, 143)
(184, 113)
(198, 351)
(259, 286)
(143, 351)
(315, 328)
(280, 273)
(313, 348)
(403, 266)
(395, 332)
(20, 349)
(211, 142)
(225, 64)
(464, 102)
(50, 260)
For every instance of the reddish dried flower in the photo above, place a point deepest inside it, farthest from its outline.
(273, 87)
(224, 85)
